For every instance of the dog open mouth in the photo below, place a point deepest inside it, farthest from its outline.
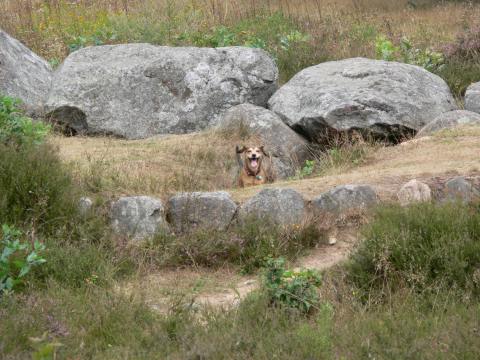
(253, 163)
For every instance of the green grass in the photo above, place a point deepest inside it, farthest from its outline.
(73, 301)
(94, 322)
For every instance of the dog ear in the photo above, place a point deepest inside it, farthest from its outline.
(240, 150)
(262, 148)
(239, 157)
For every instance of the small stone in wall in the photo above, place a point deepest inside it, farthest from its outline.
(189, 211)
(460, 189)
(345, 198)
(138, 217)
(85, 205)
(414, 191)
(284, 207)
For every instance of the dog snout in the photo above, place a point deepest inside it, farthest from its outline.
(254, 156)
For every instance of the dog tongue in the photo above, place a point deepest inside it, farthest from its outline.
(254, 163)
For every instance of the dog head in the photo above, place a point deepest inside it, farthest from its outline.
(252, 158)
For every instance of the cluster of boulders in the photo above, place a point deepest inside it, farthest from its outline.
(141, 217)
(141, 90)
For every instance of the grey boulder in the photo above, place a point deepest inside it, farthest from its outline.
(23, 74)
(190, 211)
(138, 217)
(450, 120)
(460, 189)
(344, 199)
(414, 191)
(140, 90)
(282, 207)
(472, 98)
(379, 98)
(288, 149)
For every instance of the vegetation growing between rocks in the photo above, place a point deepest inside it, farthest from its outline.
(248, 246)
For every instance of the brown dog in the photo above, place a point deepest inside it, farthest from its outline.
(252, 171)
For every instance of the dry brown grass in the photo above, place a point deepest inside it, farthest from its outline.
(206, 161)
(160, 166)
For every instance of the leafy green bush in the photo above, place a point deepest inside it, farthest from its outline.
(35, 188)
(15, 127)
(407, 53)
(17, 258)
(422, 247)
(306, 171)
(295, 289)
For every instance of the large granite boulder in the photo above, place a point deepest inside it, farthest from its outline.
(190, 211)
(138, 217)
(283, 207)
(383, 99)
(450, 120)
(287, 149)
(23, 74)
(345, 199)
(472, 98)
(141, 90)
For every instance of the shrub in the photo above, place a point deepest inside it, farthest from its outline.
(15, 128)
(35, 188)
(407, 53)
(306, 171)
(460, 74)
(17, 258)
(294, 289)
(423, 247)
(462, 66)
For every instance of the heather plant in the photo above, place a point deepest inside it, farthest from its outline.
(35, 187)
(466, 46)
(426, 248)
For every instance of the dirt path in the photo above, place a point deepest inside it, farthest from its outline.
(224, 288)
(321, 258)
